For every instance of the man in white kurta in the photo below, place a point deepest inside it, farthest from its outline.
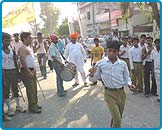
(77, 55)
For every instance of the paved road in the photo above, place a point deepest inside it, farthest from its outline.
(84, 107)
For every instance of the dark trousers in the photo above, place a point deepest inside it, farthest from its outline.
(50, 64)
(59, 81)
(42, 63)
(31, 90)
(147, 73)
(11, 80)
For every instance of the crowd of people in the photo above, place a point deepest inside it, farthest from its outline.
(128, 64)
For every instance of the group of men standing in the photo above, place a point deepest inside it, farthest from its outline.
(113, 70)
(18, 61)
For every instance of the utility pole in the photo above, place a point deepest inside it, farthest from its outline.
(79, 20)
(93, 16)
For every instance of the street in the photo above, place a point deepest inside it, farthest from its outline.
(83, 107)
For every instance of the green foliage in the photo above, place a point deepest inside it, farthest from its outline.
(63, 29)
(144, 8)
(124, 6)
(49, 15)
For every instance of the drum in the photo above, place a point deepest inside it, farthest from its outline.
(68, 72)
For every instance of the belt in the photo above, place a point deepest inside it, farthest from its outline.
(137, 62)
(124, 58)
(29, 68)
(7, 70)
(114, 89)
(148, 61)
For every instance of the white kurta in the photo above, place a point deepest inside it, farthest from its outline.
(76, 55)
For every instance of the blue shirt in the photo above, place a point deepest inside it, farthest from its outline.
(113, 75)
(54, 51)
(61, 46)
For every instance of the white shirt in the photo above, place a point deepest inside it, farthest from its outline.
(7, 60)
(30, 60)
(135, 55)
(16, 45)
(155, 55)
(115, 38)
(113, 75)
(144, 45)
(76, 54)
(122, 49)
(41, 49)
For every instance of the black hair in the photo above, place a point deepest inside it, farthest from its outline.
(124, 37)
(129, 37)
(15, 34)
(150, 37)
(96, 39)
(135, 38)
(24, 35)
(5, 36)
(143, 35)
(113, 44)
(157, 40)
(39, 33)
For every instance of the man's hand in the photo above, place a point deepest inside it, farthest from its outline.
(132, 88)
(92, 71)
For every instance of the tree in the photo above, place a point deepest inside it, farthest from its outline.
(49, 15)
(156, 14)
(63, 29)
(125, 8)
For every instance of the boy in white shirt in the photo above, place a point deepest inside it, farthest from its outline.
(155, 55)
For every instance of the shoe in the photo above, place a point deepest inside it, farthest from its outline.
(94, 83)
(158, 100)
(45, 77)
(37, 111)
(20, 109)
(155, 95)
(76, 84)
(39, 107)
(65, 91)
(10, 113)
(147, 95)
(86, 85)
(139, 91)
(6, 118)
(62, 95)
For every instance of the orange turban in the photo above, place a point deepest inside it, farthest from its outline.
(74, 35)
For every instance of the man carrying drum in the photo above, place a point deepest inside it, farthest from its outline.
(57, 64)
(77, 56)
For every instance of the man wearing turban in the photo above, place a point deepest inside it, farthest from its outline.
(57, 64)
(77, 55)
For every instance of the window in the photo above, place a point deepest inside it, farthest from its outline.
(88, 15)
